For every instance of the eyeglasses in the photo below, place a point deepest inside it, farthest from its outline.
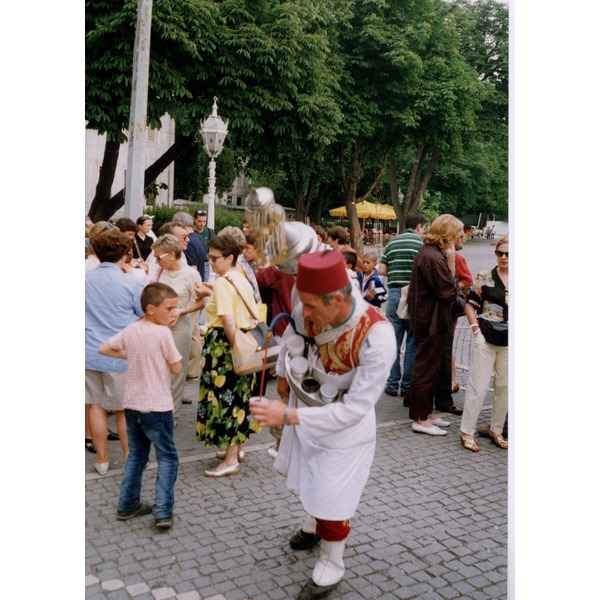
(200, 213)
(213, 257)
(162, 256)
(500, 254)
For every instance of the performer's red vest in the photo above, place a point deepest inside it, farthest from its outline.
(338, 356)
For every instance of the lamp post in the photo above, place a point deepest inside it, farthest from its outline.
(214, 132)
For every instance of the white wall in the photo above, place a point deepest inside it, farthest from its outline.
(157, 142)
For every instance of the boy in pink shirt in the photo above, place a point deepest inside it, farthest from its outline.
(152, 356)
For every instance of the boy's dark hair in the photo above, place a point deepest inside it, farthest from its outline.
(111, 245)
(350, 258)
(156, 293)
(338, 233)
(126, 224)
(414, 219)
(250, 240)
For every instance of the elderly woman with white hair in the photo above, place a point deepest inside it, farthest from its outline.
(191, 296)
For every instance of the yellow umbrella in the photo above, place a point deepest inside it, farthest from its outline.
(367, 210)
(340, 211)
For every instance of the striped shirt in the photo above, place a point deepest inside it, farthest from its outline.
(399, 255)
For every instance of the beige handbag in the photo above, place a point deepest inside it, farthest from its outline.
(253, 349)
(402, 310)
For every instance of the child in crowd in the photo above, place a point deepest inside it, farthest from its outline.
(371, 285)
(351, 259)
(152, 356)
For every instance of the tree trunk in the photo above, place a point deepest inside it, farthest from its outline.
(299, 199)
(394, 194)
(105, 179)
(310, 192)
(419, 181)
(318, 209)
(350, 187)
(104, 207)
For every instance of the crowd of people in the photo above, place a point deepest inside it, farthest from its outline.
(162, 308)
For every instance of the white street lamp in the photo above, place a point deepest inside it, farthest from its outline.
(214, 132)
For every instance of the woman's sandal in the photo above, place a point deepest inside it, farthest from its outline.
(498, 440)
(89, 446)
(469, 444)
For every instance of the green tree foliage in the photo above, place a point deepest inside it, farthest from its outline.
(327, 100)
(476, 181)
(406, 91)
(266, 61)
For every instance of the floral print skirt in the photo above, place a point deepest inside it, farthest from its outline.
(223, 415)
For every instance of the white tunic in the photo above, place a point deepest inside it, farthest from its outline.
(328, 455)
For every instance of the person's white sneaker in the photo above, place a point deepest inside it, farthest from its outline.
(440, 422)
(433, 430)
(272, 452)
(101, 468)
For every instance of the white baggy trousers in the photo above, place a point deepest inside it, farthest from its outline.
(486, 360)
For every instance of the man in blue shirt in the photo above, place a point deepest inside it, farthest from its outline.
(203, 233)
(112, 301)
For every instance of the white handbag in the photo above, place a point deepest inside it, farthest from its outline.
(402, 311)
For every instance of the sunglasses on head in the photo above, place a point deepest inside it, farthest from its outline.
(200, 213)
(500, 254)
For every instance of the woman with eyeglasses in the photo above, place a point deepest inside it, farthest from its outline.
(191, 296)
(487, 313)
(224, 397)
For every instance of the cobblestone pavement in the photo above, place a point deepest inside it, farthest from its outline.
(432, 523)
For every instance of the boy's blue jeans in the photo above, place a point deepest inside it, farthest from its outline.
(144, 429)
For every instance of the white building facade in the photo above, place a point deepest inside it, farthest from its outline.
(158, 141)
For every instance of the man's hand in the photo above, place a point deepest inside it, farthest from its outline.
(268, 413)
(283, 388)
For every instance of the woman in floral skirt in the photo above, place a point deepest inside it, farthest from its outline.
(223, 413)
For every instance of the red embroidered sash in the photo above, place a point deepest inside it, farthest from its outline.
(337, 355)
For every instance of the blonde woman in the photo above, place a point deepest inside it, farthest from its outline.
(431, 295)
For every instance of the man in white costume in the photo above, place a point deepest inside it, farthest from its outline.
(327, 448)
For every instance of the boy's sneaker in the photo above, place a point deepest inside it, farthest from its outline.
(142, 509)
(164, 522)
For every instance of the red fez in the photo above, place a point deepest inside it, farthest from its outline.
(321, 272)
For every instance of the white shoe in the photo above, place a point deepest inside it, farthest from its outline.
(101, 468)
(440, 422)
(272, 452)
(433, 430)
(241, 455)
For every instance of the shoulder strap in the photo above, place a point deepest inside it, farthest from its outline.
(242, 297)
(137, 248)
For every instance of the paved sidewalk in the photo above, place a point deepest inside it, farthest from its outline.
(432, 523)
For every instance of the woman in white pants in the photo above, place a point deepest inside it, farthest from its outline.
(487, 313)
